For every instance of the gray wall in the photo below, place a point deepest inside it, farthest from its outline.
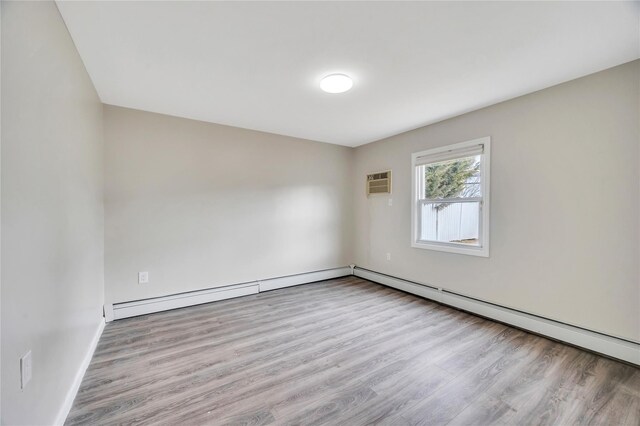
(201, 205)
(565, 204)
(52, 210)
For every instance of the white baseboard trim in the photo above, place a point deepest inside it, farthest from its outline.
(77, 380)
(181, 300)
(597, 342)
(309, 277)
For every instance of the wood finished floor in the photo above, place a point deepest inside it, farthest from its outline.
(344, 352)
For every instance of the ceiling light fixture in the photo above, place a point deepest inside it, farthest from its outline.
(336, 83)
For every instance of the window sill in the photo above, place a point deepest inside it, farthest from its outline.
(452, 248)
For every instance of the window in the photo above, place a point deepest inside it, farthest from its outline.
(450, 210)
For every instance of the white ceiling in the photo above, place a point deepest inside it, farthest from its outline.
(258, 65)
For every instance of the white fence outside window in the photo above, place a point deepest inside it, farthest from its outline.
(456, 222)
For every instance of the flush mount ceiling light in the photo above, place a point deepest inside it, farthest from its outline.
(336, 83)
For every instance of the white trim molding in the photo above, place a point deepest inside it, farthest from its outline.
(614, 347)
(309, 277)
(77, 380)
(108, 312)
(157, 304)
(180, 300)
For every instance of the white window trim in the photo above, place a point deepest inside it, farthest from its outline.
(483, 250)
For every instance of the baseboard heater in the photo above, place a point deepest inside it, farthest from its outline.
(157, 304)
(614, 347)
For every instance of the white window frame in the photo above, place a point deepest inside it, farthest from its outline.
(485, 168)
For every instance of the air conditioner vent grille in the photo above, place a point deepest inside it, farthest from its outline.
(379, 183)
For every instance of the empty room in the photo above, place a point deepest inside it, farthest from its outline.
(320, 213)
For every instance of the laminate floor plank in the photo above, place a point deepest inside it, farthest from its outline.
(260, 358)
(232, 377)
(161, 352)
(415, 381)
(444, 405)
(334, 350)
(344, 352)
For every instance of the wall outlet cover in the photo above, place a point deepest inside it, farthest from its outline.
(25, 370)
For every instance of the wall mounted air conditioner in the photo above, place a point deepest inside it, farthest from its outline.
(379, 183)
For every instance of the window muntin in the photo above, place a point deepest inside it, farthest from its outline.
(451, 198)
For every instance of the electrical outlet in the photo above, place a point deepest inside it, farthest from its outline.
(390, 202)
(143, 277)
(388, 256)
(25, 369)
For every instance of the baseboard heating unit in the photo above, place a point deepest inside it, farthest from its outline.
(157, 304)
(614, 347)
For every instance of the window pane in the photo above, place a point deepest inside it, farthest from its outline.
(459, 178)
(450, 222)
